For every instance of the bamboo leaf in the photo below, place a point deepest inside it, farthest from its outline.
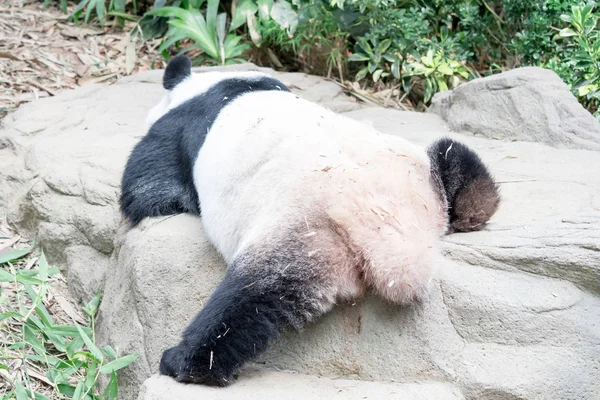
(118, 363)
(95, 351)
(14, 255)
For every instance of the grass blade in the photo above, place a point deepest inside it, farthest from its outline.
(14, 255)
(91, 308)
(112, 389)
(90, 345)
(118, 363)
(78, 391)
(21, 393)
(6, 276)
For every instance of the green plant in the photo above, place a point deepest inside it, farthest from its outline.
(85, 8)
(66, 354)
(317, 41)
(583, 34)
(209, 35)
(439, 72)
(395, 36)
(532, 43)
(279, 13)
(381, 62)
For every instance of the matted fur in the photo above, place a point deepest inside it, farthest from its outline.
(307, 207)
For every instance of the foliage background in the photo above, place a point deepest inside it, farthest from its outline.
(419, 47)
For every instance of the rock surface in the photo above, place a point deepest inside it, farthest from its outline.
(296, 387)
(526, 104)
(515, 313)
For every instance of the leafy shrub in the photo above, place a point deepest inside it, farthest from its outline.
(318, 42)
(434, 42)
(209, 35)
(581, 66)
(68, 354)
(439, 72)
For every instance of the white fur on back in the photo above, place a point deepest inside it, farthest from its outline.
(272, 162)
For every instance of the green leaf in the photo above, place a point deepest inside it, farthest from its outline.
(119, 5)
(88, 10)
(123, 15)
(221, 21)
(38, 396)
(14, 255)
(428, 92)
(239, 18)
(118, 363)
(109, 351)
(43, 263)
(285, 16)
(253, 29)
(567, 32)
(78, 394)
(464, 74)
(233, 48)
(89, 344)
(372, 66)
(112, 389)
(100, 11)
(29, 280)
(33, 341)
(6, 276)
(383, 46)
(194, 26)
(20, 390)
(74, 345)
(565, 17)
(396, 68)
(10, 314)
(91, 308)
(90, 377)
(361, 74)
(212, 8)
(364, 44)
(455, 81)
(44, 315)
(66, 330)
(377, 75)
(264, 9)
(445, 69)
(427, 59)
(441, 84)
(66, 389)
(358, 57)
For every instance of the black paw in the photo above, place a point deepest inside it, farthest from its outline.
(189, 366)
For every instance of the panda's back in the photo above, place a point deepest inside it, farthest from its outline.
(273, 160)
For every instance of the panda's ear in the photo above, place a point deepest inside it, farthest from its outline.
(178, 69)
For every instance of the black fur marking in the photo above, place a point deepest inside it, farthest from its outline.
(245, 314)
(470, 190)
(177, 70)
(158, 177)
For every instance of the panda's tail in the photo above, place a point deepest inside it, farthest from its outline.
(471, 192)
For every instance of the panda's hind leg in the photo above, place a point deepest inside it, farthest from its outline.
(262, 293)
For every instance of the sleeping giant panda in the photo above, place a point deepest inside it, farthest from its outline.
(308, 208)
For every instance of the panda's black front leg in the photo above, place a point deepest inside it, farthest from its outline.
(245, 313)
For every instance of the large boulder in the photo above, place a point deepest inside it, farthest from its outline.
(514, 313)
(527, 104)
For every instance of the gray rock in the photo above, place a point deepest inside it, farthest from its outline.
(86, 273)
(527, 104)
(515, 312)
(271, 385)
